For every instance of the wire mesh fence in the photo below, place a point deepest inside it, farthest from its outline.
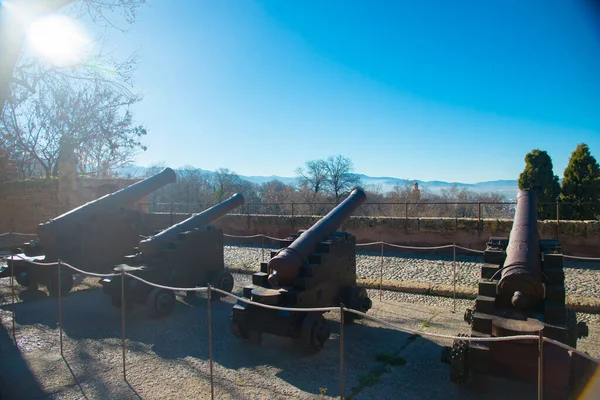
(479, 210)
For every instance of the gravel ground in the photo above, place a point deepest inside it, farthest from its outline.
(168, 358)
(582, 278)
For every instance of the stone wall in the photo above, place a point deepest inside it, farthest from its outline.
(23, 205)
(581, 238)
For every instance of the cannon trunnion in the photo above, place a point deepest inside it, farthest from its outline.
(521, 292)
(186, 255)
(314, 268)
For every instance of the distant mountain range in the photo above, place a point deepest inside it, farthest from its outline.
(508, 188)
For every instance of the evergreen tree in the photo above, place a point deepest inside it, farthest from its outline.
(581, 183)
(539, 177)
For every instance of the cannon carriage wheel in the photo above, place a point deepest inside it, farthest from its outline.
(253, 337)
(66, 283)
(221, 280)
(356, 299)
(24, 279)
(160, 302)
(458, 361)
(313, 332)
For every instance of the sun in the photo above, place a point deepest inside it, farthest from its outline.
(58, 39)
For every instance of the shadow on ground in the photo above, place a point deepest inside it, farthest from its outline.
(183, 336)
(16, 379)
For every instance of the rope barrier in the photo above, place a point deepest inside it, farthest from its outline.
(447, 246)
(581, 258)
(368, 244)
(195, 289)
(17, 234)
(567, 347)
(408, 330)
(295, 309)
(440, 336)
(327, 309)
(37, 263)
(468, 249)
(86, 272)
(243, 237)
(272, 238)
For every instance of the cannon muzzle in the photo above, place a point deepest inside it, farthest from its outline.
(121, 198)
(156, 242)
(521, 278)
(285, 266)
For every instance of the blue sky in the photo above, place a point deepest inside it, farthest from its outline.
(430, 90)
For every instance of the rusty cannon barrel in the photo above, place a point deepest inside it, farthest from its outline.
(521, 276)
(121, 198)
(285, 266)
(154, 243)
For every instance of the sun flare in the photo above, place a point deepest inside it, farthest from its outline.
(58, 40)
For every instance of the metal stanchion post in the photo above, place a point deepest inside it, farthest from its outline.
(541, 366)
(123, 322)
(454, 278)
(342, 351)
(210, 349)
(557, 220)
(12, 289)
(60, 327)
(381, 273)
(479, 227)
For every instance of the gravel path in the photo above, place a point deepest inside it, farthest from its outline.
(168, 358)
(582, 279)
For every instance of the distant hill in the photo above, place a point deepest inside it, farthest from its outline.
(508, 188)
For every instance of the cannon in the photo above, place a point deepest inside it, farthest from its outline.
(313, 268)
(94, 237)
(186, 255)
(521, 292)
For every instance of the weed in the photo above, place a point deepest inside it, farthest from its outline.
(386, 360)
(323, 392)
(390, 358)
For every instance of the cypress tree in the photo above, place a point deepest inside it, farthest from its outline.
(581, 183)
(538, 176)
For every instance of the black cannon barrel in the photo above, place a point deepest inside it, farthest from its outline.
(154, 243)
(284, 267)
(121, 198)
(521, 276)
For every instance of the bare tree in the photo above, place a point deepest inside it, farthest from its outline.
(8, 168)
(313, 176)
(193, 188)
(340, 176)
(12, 35)
(225, 183)
(273, 194)
(95, 120)
(406, 193)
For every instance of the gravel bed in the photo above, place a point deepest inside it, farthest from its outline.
(582, 278)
